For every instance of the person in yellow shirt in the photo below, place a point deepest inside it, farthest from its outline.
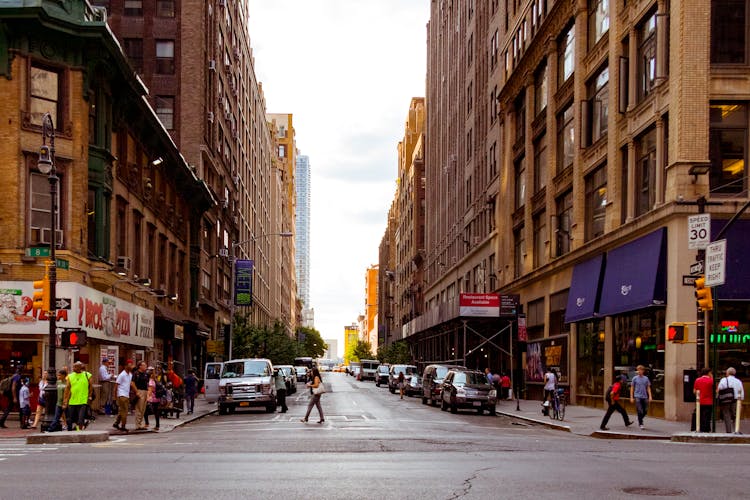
(78, 390)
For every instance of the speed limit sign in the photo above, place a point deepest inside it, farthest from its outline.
(699, 231)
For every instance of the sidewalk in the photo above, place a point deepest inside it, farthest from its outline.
(103, 424)
(585, 421)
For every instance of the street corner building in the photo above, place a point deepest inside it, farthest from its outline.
(567, 145)
(126, 208)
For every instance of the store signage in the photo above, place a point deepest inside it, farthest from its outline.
(243, 283)
(509, 304)
(479, 305)
(522, 334)
(102, 316)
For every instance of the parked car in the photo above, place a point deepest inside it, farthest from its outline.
(393, 375)
(432, 382)
(246, 383)
(381, 374)
(369, 367)
(412, 385)
(467, 389)
(290, 377)
(353, 369)
(301, 373)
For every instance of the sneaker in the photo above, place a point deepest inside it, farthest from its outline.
(116, 426)
(642, 426)
(628, 424)
(603, 428)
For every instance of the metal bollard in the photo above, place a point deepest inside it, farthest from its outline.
(737, 419)
(697, 411)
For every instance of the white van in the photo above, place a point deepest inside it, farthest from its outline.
(211, 376)
(246, 383)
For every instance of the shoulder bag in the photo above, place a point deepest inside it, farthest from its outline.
(726, 395)
(320, 389)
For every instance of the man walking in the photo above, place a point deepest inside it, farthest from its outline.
(704, 389)
(280, 385)
(729, 410)
(78, 390)
(140, 379)
(105, 379)
(640, 393)
(614, 405)
(124, 384)
(12, 395)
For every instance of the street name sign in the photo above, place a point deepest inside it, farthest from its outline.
(699, 231)
(716, 256)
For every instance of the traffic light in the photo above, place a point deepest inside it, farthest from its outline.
(677, 332)
(703, 297)
(73, 337)
(41, 293)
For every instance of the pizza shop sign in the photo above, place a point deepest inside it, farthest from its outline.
(103, 316)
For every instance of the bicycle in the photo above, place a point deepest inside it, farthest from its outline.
(557, 405)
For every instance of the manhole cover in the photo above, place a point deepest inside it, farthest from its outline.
(653, 492)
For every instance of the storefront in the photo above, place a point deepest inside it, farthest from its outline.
(114, 328)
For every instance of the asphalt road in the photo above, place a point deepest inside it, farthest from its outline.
(372, 445)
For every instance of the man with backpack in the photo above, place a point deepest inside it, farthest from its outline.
(10, 391)
(613, 399)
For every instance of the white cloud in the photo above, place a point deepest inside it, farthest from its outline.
(347, 70)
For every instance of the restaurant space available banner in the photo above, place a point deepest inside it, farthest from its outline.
(103, 316)
(479, 305)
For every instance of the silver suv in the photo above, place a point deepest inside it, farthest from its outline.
(393, 372)
(246, 383)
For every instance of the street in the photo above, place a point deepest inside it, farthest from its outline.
(372, 445)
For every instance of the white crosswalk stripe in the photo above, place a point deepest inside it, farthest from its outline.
(10, 448)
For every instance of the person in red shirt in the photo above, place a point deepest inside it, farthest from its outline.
(614, 405)
(705, 384)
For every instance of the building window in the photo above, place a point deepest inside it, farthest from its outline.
(519, 251)
(282, 151)
(557, 304)
(520, 176)
(598, 20)
(133, 7)
(564, 210)
(469, 144)
(134, 51)
(540, 89)
(468, 197)
(540, 163)
(728, 31)
(165, 111)
(540, 239)
(590, 369)
(646, 172)
(647, 56)
(40, 207)
(728, 148)
(520, 106)
(121, 241)
(493, 49)
(493, 160)
(566, 55)
(165, 8)
(493, 105)
(596, 202)
(566, 139)
(535, 319)
(45, 95)
(639, 338)
(598, 90)
(165, 57)
(470, 97)
(470, 50)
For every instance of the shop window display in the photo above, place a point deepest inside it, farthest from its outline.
(590, 352)
(639, 339)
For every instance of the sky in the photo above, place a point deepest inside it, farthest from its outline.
(346, 70)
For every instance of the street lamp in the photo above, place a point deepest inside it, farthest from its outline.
(46, 165)
(233, 303)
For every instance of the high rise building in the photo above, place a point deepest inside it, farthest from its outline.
(302, 233)
(595, 129)
(333, 349)
(196, 59)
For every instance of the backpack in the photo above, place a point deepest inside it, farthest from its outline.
(160, 391)
(608, 396)
(5, 385)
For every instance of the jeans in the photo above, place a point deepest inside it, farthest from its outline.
(281, 400)
(728, 413)
(190, 400)
(55, 425)
(314, 401)
(641, 407)
(615, 406)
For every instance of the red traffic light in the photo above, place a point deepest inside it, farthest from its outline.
(677, 332)
(73, 337)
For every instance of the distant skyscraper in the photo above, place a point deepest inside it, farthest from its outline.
(302, 235)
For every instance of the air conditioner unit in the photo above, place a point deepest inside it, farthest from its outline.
(223, 252)
(210, 116)
(212, 65)
(124, 262)
(477, 240)
(237, 53)
(45, 236)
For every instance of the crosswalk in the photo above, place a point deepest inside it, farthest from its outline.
(11, 448)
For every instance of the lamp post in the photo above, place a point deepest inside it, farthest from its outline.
(46, 165)
(233, 302)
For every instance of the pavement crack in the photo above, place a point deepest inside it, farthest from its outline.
(467, 484)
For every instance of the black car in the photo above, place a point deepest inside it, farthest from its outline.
(467, 389)
(381, 374)
(432, 382)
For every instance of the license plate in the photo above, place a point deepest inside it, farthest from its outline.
(245, 404)
(477, 403)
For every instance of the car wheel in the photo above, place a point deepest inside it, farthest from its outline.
(424, 400)
(492, 411)
(454, 409)
(393, 391)
(480, 411)
(231, 409)
(443, 406)
(270, 408)
(222, 410)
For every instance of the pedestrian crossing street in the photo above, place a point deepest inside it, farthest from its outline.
(12, 448)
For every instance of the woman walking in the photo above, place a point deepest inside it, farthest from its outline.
(317, 389)
(154, 401)
(40, 406)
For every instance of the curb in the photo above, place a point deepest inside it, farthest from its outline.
(193, 418)
(721, 438)
(68, 437)
(550, 424)
(626, 435)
